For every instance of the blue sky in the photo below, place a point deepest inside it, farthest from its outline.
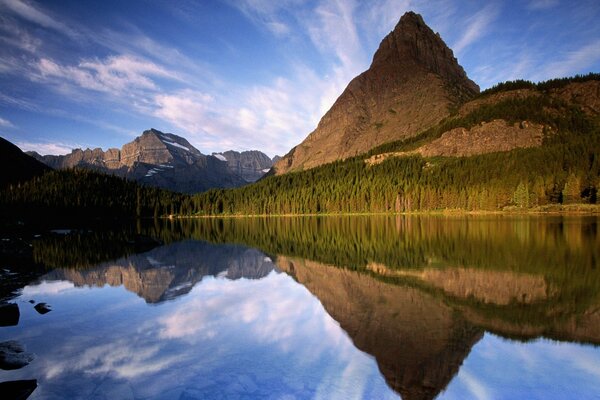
(245, 74)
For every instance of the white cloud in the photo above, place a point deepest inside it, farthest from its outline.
(5, 123)
(47, 288)
(268, 13)
(186, 109)
(477, 26)
(573, 62)
(45, 148)
(118, 358)
(27, 11)
(115, 74)
(380, 17)
(14, 36)
(478, 390)
(333, 30)
(543, 4)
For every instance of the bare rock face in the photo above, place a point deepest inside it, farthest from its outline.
(157, 159)
(250, 165)
(487, 137)
(409, 87)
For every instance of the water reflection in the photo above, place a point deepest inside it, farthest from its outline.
(447, 308)
(167, 272)
(231, 336)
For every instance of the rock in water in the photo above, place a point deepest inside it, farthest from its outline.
(17, 390)
(42, 308)
(9, 314)
(410, 86)
(13, 355)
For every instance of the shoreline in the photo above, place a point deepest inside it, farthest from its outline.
(548, 210)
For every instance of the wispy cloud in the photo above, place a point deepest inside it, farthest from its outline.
(5, 123)
(115, 74)
(33, 14)
(543, 4)
(186, 109)
(478, 26)
(12, 35)
(45, 148)
(267, 13)
(478, 390)
(577, 60)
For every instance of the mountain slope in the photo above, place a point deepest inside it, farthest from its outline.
(250, 165)
(412, 82)
(157, 159)
(17, 166)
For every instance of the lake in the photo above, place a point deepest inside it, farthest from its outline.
(362, 307)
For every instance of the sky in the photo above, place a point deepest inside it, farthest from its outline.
(245, 74)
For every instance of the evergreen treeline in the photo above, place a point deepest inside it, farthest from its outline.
(83, 249)
(71, 195)
(560, 172)
(542, 86)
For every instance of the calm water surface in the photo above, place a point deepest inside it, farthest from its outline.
(325, 308)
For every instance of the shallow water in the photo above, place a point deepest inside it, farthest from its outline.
(297, 308)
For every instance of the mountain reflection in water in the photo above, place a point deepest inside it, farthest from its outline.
(447, 307)
(172, 270)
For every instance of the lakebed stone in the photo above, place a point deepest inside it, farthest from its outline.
(13, 355)
(9, 314)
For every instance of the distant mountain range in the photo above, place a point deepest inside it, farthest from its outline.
(167, 161)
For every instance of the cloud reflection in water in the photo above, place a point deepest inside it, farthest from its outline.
(257, 338)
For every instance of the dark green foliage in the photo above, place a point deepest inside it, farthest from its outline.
(87, 248)
(71, 195)
(543, 86)
(401, 184)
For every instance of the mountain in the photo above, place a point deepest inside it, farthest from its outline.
(157, 159)
(250, 165)
(413, 82)
(17, 166)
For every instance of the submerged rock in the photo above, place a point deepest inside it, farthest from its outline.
(9, 314)
(42, 308)
(13, 355)
(17, 390)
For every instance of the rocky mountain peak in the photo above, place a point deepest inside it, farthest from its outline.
(411, 85)
(168, 161)
(413, 44)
